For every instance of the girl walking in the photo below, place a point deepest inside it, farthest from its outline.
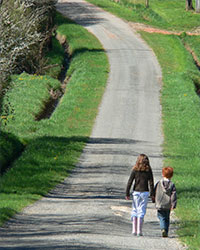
(142, 176)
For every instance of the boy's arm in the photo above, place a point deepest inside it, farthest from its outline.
(153, 197)
(173, 198)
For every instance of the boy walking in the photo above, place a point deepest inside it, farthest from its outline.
(165, 199)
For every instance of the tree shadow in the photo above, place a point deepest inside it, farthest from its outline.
(77, 9)
(85, 50)
(53, 157)
(10, 149)
(193, 192)
(187, 228)
(62, 229)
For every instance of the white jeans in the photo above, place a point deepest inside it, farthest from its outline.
(139, 204)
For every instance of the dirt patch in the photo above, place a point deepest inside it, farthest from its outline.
(149, 29)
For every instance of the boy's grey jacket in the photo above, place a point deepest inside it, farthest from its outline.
(165, 195)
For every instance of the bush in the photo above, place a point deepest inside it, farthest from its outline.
(27, 27)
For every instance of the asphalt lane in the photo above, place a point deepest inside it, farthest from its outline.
(88, 210)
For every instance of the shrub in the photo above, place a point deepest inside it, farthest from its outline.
(27, 27)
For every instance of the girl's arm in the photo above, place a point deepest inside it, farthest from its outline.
(151, 184)
(128, 186)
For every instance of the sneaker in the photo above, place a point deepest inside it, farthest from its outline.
(134, 234)
(164, 233)
(139, 234)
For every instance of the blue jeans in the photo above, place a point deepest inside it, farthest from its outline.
(164, 217)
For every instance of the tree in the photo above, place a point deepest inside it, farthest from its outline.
(27, 30)
(197, 7)
(188, 5)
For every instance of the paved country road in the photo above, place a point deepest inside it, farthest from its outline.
(88, 210)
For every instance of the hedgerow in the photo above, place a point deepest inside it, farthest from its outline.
(27, 30)
(27, 26)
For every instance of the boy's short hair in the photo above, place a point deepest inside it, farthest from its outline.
(168, 172)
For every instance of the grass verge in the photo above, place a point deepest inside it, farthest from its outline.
(53, 145)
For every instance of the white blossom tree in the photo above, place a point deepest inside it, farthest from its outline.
(23, 35)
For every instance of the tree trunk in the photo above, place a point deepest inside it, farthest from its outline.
(197, 8)
(189, 5)
(147, 3)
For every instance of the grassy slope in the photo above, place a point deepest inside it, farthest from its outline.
(53, 145)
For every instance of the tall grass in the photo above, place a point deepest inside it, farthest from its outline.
(27, 97)
(53, 145)
(194, 44)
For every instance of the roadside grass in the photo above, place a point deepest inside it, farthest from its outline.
(54, 145)
(181, 119)
(27, 97)
(168, 14)
(54, 58)
(194, 43)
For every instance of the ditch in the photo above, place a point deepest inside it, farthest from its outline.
(55, 96)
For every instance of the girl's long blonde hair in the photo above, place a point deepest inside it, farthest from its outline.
(142, 163)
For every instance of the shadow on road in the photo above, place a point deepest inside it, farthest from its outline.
(77, 10)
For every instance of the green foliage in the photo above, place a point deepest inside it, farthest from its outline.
(143, 14)
(26, 32)
(44, 163)
(34, 92)
(194, 43)
(24, 112)
(177, 58)
(55, 58)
